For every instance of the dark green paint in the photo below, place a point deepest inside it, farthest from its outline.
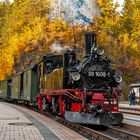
(29, 85)
(5, 90)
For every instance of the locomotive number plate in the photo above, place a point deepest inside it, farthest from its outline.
(98, 74)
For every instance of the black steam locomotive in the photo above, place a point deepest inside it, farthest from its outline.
(82, 92)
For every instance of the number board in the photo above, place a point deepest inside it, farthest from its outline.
(98, 74)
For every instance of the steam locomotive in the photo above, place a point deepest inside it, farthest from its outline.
(82, 92)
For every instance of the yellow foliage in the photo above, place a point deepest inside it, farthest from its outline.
(26, 27)
(120, 36)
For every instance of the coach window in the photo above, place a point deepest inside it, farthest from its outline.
(48, 67)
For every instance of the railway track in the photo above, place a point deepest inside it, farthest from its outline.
(128, 110)
(123, 132)
(130, 127)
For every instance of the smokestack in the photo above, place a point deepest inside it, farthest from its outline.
(90, 39)
(66, 57)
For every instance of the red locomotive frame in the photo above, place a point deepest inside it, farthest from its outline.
(79, 103)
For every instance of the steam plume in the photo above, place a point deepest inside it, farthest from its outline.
(58, 48)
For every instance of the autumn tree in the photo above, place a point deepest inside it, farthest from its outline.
(27, 34)
(22, 29)
(5, 54)
(118, 33)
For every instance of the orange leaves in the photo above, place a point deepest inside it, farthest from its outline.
(6, 63)
(23, 27)
(60, 30)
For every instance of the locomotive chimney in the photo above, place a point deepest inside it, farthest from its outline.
(66, 57)
(90, 41)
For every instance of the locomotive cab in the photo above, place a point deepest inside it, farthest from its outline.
(48, 64)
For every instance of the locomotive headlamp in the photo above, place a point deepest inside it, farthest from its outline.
(99, 108)
(100, 51)
(118, 78)
(92, 108)
(75, 76)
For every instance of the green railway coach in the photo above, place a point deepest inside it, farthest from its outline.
(5, 89)
(17, 86)
(29, 84)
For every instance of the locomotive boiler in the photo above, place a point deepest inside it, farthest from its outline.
(82, 92)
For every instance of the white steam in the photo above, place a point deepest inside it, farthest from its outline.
(58, 48)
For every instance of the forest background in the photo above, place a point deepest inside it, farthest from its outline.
(27, 32)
